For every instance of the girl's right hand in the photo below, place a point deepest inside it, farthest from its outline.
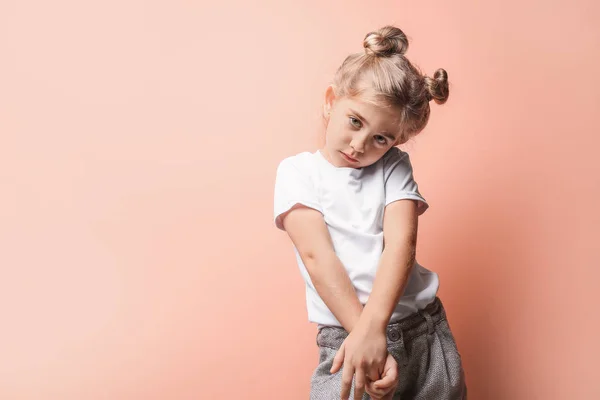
(363, 353)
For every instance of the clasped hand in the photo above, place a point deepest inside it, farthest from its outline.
(364, 355)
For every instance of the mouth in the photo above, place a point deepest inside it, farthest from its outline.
(348, 158)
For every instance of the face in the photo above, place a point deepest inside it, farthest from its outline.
(358, 133)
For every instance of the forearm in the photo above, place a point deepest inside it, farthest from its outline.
(390, 281)
(335, 288)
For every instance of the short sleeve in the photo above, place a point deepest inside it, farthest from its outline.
(399, 180)
(293, 187)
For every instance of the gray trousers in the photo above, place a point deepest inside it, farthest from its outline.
(429, 364)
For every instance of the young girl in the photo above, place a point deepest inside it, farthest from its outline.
(351, 210)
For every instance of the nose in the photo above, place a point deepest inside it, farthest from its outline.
(358, 144)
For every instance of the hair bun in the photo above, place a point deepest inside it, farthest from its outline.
(386, 42)
(437, 87)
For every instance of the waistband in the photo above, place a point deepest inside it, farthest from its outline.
(414, 325)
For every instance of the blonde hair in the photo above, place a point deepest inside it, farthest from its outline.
(383, 76)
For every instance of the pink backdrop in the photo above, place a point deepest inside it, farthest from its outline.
(138, 148)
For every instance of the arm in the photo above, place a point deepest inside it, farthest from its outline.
(363, 354)
(366, 345)
(400, 223)
(310, 236)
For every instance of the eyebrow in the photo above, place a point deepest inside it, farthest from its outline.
(386, 134)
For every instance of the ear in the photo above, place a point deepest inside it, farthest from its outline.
(330, 98)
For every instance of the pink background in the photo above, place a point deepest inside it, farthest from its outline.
(139, 141)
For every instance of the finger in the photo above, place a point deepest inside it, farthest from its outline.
(373, 392)
(390, 366)
(373, 374)
(338, 360)
(389, 377)
(387, 381)
(359, 384)
(347, 375)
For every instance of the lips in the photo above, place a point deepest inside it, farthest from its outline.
(348, 158)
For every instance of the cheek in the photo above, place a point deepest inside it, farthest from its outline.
(338, 132)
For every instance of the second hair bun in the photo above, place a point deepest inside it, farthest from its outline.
(385, 42)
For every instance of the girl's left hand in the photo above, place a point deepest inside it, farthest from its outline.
(363, 353)
(384, 388)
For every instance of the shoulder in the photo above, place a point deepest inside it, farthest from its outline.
(294, 186)
(396, 161)
(299, 159)
(393, 155)
(300, 163)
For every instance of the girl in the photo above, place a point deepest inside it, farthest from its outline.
(351, 210)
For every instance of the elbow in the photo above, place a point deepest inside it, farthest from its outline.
(401, 244)
(314, 258)
(401, 251)
(401, 254)
(311, 256)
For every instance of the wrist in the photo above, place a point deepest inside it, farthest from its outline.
(373, 319)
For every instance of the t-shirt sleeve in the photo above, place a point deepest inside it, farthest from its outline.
(293, 187)
(399, 180)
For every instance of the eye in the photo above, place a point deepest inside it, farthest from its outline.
(380, 139)
(355, 122)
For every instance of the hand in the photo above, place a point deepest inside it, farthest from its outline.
(363, 354)
(384, 388)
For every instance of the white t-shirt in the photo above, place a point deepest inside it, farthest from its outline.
(352, 202)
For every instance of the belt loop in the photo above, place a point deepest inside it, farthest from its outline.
(427, 316)
(320, 329)
(430, 328)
